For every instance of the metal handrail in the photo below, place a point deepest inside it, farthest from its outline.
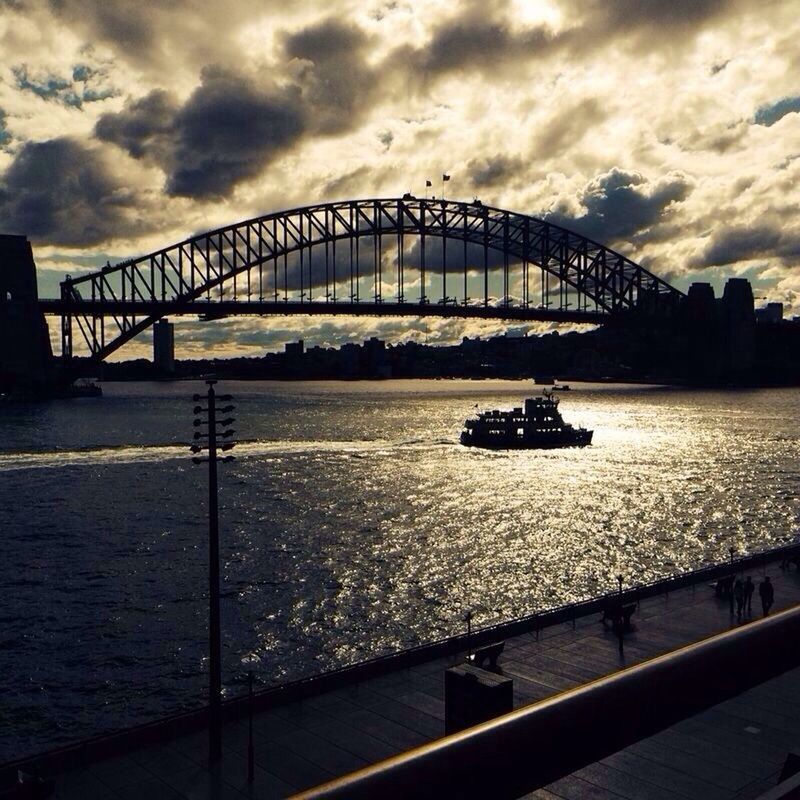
(529, 748)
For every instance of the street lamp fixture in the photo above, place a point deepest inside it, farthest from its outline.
(731, 551)
(208, 442)
(250, 661)
(621, 618)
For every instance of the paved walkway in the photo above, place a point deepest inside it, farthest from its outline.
(734, 750)
(304, 743)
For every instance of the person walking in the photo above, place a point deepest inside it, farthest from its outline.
(749, 588)
(767, 592)
(738, 594)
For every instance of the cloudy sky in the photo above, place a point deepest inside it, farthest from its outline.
(668, 130)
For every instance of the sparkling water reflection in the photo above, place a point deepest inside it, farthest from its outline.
(352, 524)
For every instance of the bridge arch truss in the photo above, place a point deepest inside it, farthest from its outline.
(353, 257)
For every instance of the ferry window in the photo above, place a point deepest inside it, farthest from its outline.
(520, 432)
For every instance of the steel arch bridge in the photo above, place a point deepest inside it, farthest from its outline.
(353, 257)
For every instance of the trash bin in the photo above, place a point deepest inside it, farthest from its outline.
(473, 695)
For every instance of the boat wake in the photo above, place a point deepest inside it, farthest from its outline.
(154, 453)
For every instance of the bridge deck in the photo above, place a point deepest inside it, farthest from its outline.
(298, 745)
(215, 309)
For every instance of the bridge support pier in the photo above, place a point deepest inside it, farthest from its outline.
(26, 356)
(164, 346)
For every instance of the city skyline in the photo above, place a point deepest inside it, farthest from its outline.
(668, 132)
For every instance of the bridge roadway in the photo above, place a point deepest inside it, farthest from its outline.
(217, 309)
(735, 750)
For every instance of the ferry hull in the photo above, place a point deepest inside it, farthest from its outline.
(576, 439)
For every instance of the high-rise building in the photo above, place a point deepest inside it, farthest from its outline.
(294, 349)
(738, 328)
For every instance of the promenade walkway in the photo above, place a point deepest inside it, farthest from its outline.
(734, 750)
(730, 751)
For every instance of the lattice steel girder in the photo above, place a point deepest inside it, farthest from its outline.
(200, 266)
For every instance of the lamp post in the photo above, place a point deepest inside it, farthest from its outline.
(249, 661)
(621, 618)
(208, 440)
(731, 550)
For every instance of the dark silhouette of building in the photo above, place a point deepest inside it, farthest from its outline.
(26, 356)
(770, 313)
(294, 349)
(738, 330)
(703, 334)
(721, 334)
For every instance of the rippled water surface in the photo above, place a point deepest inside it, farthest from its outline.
(353, 524)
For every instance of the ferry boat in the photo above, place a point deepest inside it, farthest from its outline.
(538, 425)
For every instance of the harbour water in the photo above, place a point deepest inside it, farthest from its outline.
(352, 524)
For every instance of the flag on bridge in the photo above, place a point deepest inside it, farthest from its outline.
(445, 178)
(428, 183)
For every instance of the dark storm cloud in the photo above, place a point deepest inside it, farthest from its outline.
(228, 130)
(477, 43)
(144, 128)
(621, 205)
(643, 25)
(232, 126)
(745, 243)
(176, 37)
(472, 43)
(328, 60)
(769, 114)
(480, 40)
(126, 24)
(627, 15)
(494, 170)
(61, 192)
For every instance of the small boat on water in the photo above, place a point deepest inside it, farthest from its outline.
(84, 387)
(537, 425)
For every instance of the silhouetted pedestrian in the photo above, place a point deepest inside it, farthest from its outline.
(767, 592)
(738, 594)
(749, 588)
